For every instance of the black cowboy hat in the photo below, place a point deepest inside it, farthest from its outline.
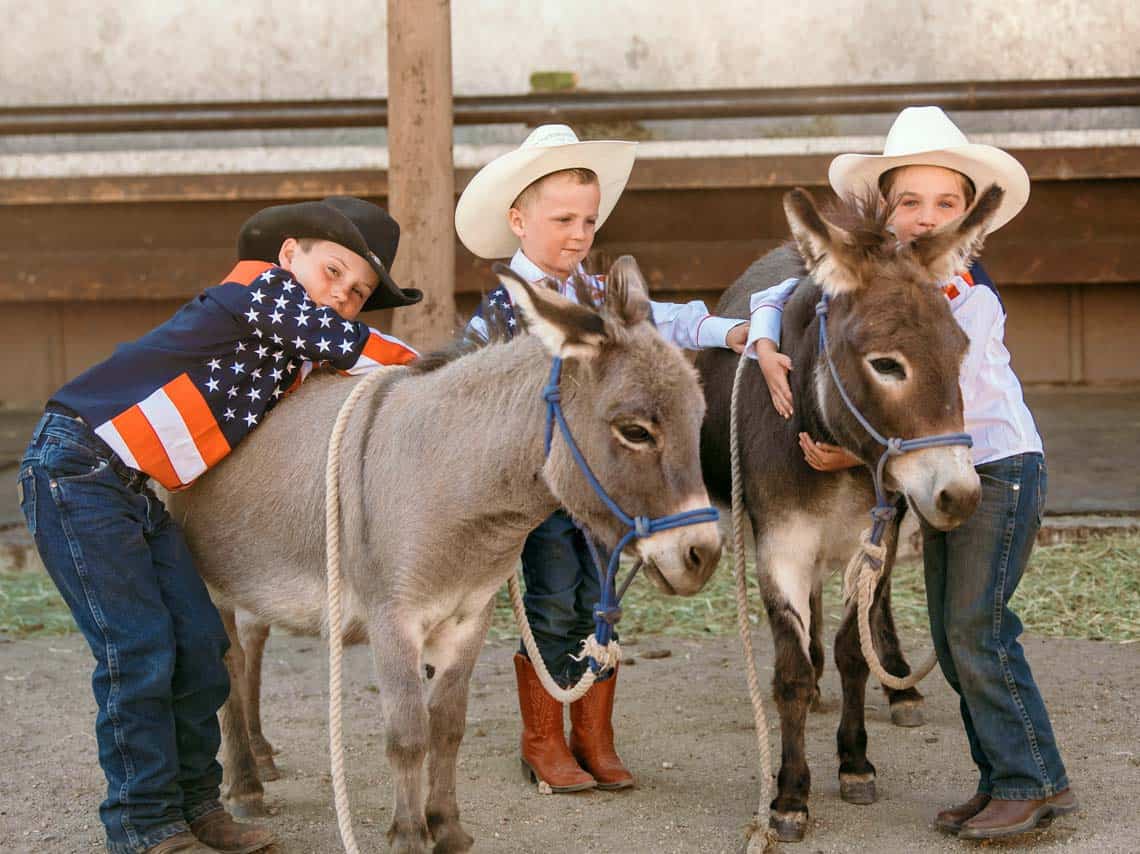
(361, 226)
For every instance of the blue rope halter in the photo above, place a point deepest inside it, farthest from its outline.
(608, 611)
(883, 511)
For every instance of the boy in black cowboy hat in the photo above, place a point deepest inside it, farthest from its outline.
(168, 406)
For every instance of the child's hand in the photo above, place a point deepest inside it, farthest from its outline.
(824, 457)
(775, 366)
(737, 337)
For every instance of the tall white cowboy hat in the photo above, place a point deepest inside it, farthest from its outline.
(925, 136)
(481, 215)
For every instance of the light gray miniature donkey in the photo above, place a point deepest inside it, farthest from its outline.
(443, 477)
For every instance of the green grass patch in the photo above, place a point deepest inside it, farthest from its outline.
(30, 606)
(1076, 590)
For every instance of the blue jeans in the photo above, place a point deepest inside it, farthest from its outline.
(971, 574)
(123, 567)
(562, 587)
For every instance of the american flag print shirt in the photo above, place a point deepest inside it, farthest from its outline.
(177, 400)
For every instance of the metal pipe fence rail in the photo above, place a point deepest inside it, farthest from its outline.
(580, 106)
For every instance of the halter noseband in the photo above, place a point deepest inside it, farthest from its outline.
(608, 611)
(883, 511)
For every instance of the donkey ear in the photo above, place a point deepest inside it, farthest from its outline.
(627, 296)
(949, 249)
(827, 251)
(565, 328)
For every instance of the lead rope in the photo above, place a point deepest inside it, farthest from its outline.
(860, 580)
(333, 581)
(606, 656)
(759, 835)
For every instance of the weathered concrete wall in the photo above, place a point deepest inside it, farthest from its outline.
(91, 51)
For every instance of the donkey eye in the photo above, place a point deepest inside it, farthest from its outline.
(635, 434)
(889, 367)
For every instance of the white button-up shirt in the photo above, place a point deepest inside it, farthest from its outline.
(997, 418)
(688, 325)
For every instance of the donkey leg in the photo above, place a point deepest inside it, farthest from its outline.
(816, 645)
(397, 658)
(856, 773)
(253, 636)
(787, 588)
(906, 706)
(244, 793)
(447, 708)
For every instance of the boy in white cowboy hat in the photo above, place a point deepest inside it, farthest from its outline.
(169, 406)
(541, 205)
(931, 173)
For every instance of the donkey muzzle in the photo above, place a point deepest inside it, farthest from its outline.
(679, 561)
(940, 483)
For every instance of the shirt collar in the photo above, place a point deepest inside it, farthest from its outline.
(534, 274)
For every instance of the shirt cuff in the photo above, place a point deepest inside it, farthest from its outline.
(713, 331)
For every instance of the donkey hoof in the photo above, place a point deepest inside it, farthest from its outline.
(907, 713)
(267, 769)
(789, 826)
(857, 788)
(252, 807)
(456, 842)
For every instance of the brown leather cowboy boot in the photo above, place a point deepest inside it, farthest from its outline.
(1003, 818)
(951, 820)
(592, 736)
(220, 832)
(545, 755)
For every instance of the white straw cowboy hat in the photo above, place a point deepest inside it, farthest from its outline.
(481, 215)
(925, 136)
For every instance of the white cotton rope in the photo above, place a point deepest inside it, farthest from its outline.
(607, 656)
(860, 580)
(336, 641)
(759, 836)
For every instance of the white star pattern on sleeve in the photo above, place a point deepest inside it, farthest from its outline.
(302, 319)
(257, 296)
(345, 346)
(261, 351)
(266, 277)
(212, 384)
(214, 364)
(287, 287)
(275, 318)
(252, 316)
(281, 302)
(237, 368)
(298, 342)
(229, 415)
(323, 345)
(250, 419)
(324, 319)
(240, 347)
(348, 325)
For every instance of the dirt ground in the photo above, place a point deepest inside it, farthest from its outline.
(684, 727)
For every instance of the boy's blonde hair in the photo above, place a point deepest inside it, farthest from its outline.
(887, 180)
(580, 175)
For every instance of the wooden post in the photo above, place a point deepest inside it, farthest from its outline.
(421, 177)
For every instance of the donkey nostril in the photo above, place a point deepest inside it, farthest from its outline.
(958, 503)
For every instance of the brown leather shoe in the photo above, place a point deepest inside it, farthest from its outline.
(183, 843)
(545, 755)
(220, 832)
(951, 820)
(1003, 818)
(592, 736)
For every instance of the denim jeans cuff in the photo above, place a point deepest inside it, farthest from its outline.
(198, 810)
(149, 840)
(1030, 793)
